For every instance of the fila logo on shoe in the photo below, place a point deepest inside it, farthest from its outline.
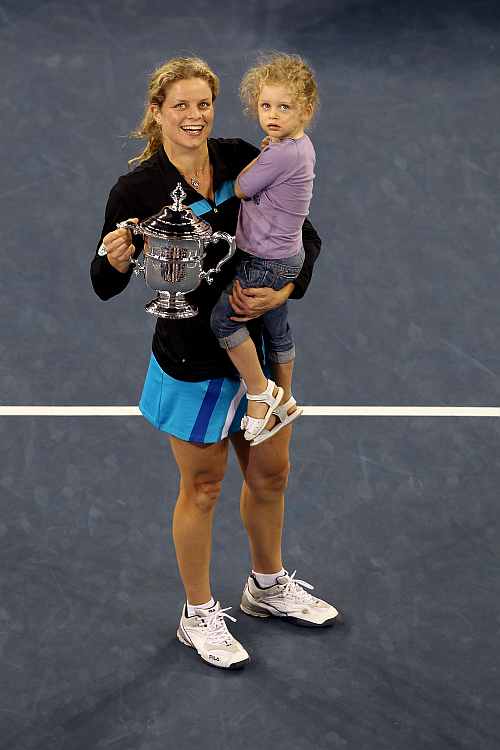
(214, 658)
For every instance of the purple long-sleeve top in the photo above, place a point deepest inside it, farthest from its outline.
(278, 191)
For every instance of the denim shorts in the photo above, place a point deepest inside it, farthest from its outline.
(253, 271)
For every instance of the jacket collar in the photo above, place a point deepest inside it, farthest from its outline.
(172, 174)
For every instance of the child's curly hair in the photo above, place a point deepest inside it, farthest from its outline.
(284, 70)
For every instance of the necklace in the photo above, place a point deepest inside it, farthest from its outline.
(195, 179)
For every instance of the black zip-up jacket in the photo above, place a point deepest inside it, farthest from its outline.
(187, 349)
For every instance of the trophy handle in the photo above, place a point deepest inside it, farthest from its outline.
(139, 268)
(207, 275)
(131, 225)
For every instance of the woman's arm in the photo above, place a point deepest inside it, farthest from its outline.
(312, 248)
(110, 277)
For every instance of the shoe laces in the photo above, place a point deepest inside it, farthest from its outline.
(217, 628)
(293, 588)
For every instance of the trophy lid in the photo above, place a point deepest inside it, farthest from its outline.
(176, 221)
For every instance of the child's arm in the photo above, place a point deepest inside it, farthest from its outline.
(265, 169)
(237, 190)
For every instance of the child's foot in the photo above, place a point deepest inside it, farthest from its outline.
(290, 406)
(260, 409)
(285, 413)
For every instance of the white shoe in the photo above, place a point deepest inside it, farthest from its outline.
(288, 599)
(284, 418)
(254, 426)
(209, 636)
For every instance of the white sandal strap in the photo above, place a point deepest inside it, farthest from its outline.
(281, 411)
(266, 396)
(252, 424)
(284, 420)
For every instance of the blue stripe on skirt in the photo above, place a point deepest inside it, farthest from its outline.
(202, 412)
(207, 407)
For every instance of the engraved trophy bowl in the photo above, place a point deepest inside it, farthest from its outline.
(174, 249)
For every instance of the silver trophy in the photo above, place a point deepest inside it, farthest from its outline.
(174, 249)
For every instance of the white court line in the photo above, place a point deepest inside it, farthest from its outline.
(310, 411)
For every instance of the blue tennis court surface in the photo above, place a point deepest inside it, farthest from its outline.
(393, 519)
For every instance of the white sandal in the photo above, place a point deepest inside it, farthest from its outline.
(254, 426)
(284, 418)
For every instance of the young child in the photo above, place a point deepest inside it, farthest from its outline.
(276, 190)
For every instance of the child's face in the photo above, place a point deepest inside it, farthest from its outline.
(280, 114)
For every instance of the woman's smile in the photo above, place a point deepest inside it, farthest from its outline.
(192, 130)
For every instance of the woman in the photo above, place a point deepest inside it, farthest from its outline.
(192, 391)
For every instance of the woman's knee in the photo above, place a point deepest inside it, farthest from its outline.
(264, 482)
(203, 493)
(202, 469)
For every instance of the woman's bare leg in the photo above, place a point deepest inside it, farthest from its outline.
(202, 469)
(282, 374)
(265, 470)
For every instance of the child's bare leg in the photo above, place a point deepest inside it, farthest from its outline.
(244, 358)
(282, 375)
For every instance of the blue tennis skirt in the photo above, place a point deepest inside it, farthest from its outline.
(203, 412)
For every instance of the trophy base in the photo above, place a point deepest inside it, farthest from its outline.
(173, 307)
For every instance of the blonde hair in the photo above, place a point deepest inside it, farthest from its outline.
(175, 69)
(284, 70)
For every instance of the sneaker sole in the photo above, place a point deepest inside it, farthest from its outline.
(236, 665)
(253, 613)
(295, 620)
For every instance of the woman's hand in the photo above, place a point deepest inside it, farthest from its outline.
(254, 302)
(120, 248)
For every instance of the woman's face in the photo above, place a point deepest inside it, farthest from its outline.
(186, 116)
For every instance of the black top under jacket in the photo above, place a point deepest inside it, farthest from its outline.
(187, 349)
